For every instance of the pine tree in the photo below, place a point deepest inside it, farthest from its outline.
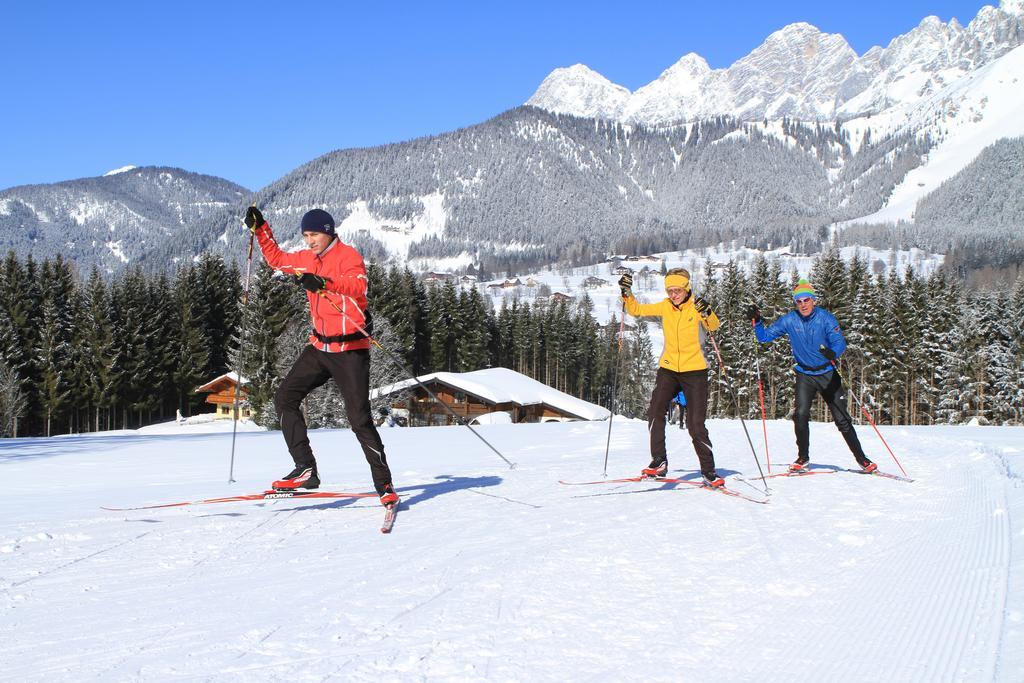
(956, 392)
(12, 401)
(97, 340)
(161, 348)
(25, 300)
(442, 324)
(221, 288)
(255, 350)
(16, 334)
(828, 276)
(610, 362)
(81, 362)
(129, 366)
(471, 346)
(914, 324)
(998, 358)
(735, 343)
(384, 369)
(637, 379)
(55, 352)
(585, 351)
(192, 352)
(1015, 320)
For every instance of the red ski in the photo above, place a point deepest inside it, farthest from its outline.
(668, 480)
(390, 512)
(805, 473)
(606, 481)
(880, 473)
(266, 495)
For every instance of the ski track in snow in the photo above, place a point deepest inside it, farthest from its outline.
(498, 574)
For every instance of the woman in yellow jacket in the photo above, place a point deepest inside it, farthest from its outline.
(682, 367)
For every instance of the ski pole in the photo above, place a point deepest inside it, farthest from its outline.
(736, 400)
(241, 345)
(615, 389)
(398, 363)
(864, 410)
(760, 393)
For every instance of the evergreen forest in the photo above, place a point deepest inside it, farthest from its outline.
(83, 353)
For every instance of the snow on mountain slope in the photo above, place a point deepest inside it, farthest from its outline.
(796, 72)
(498, 574)
(679, 89)
(581, 91)
(965, 118)
(799, 72)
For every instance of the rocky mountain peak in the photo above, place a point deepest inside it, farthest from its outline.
(581, 91)
(798, 71)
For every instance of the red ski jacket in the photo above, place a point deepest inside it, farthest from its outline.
(341, 310)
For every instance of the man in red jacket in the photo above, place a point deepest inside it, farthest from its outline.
(334, 276)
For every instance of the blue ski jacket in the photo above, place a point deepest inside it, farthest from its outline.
(820, 328)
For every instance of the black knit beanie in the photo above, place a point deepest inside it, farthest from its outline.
(318, 220)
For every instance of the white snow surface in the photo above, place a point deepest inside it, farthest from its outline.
(123, 169)
(494, 573)
(397, 235)
(116, 250)
(501, 385)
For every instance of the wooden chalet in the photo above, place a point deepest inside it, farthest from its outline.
(222, 395)
(473, 394)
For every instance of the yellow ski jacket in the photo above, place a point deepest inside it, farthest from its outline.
(681, 325)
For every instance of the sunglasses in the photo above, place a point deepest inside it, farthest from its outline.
(675, 291)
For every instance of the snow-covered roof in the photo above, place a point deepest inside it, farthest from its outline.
(214, 384)
(501, 385)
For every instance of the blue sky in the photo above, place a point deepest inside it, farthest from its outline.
(250, 90)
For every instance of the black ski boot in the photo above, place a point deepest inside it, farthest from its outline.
(303, 477)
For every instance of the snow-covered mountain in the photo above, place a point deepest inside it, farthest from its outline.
(112, 219)
(798, 72)
(583, 91)
(956, 89)
(963, 118)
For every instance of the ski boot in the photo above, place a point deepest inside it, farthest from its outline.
(867, 465)
(655, 469)
(712, 480)
(801, 466)
(302, 477)
(388, 497)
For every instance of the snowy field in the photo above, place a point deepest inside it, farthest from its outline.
(499, 574)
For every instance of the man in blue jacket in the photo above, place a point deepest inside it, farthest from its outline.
(817, 341)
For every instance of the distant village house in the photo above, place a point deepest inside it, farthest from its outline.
(473, 395)
(222, 395)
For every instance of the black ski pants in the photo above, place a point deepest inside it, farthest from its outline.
(694, 385)
(831, 389)
(351, 372)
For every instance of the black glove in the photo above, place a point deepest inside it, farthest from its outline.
(703, 307)
(253, 219)
(625, 283)
(754, 313)
(827, 352)
(313, 283)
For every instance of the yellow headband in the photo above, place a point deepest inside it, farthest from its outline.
(677, 281)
